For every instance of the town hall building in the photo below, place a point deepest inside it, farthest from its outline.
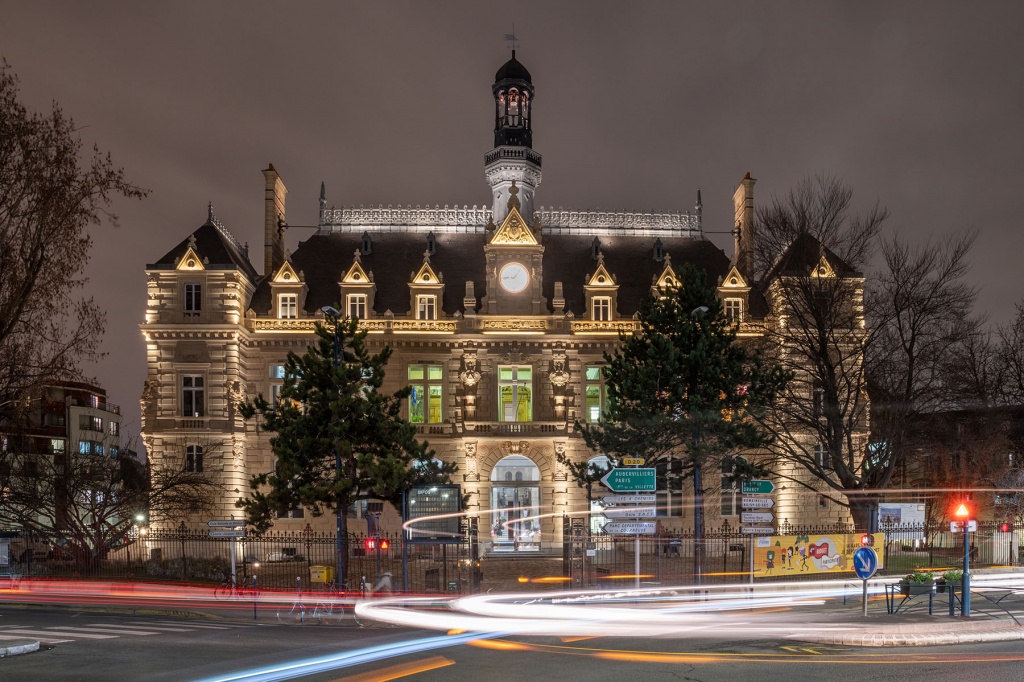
(498, 318)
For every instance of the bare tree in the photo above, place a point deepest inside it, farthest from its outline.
(50, 193)
(811, 250)
(1011, 358)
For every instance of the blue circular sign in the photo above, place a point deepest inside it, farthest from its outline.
(865, 562)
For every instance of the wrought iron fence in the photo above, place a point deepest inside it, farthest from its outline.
(729, 556)
(280, 560)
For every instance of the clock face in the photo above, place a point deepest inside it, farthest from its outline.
(514, 278)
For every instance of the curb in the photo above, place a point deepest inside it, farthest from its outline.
(27, 646)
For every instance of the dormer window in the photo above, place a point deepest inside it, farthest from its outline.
(287, 306)
(193, 303)
(659, 251)
(733, 309)
(595, 248)
(355, 305)
(366, 248)
(431, 244)
(426, 307)
(601, 308)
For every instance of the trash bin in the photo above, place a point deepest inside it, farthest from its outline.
(321, 574)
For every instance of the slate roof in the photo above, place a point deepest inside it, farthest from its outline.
(460, 258)
(212, 245)
(803, 255)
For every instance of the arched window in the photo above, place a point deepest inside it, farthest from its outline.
(515, 505)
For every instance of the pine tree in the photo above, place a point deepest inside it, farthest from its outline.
(680, 390)
(337, 437)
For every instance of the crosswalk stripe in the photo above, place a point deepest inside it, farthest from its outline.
(180, 628)
(114, 630)
(149, 623)
(48, 640)
(47, 634)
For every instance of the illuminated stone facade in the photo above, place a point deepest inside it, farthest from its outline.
(499, 317)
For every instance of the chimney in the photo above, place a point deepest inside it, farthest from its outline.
(743, 226)
(274, 221)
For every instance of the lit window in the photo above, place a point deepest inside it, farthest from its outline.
(277, 371)
(97, 449)
(297, 513)
(822, 457)
(733, 309)
(288, 306)
(426, 307)
(601, 308)
(193, 396)
(193, 300)
(594, 394)
(57, 446)
(356, 306)
(84, 447)
(427, 392)
(194, 459)
(515, 394)
(115, 428)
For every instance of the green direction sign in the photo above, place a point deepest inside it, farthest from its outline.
(630, 480)
(757, 487)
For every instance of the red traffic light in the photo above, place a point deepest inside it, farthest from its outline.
(1005, 527)
(963, 511)
(867, 540)
(374, 543)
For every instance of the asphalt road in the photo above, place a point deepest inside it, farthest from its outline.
(85, 646)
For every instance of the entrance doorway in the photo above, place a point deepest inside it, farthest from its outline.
(515, 504)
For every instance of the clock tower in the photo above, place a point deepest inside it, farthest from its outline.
(514, 257)
(512, 160)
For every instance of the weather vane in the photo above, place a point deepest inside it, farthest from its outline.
(511, 37)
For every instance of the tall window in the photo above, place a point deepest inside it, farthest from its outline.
(822, 457)
(193, 396)
(601, 308)
(733, 309)
(356, 306)
(288, 306)
(515, 394)
(426, 307)
(594, 394)
(193, 299)
(730, 490)
(194, 459)
(57, 446)
(427, 390)
(276, 379)
(115, 428)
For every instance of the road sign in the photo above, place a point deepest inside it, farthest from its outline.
(757, 517)
(638, 498)
(757, 487)
(756, 503)
(865, 562)
(240, 533)
(632, 461)
(630, 512)
(631, 527)
(630, 480)
(757, 530)
(958, 526)
(226, 523)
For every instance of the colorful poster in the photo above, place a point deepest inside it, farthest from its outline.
(788, 555)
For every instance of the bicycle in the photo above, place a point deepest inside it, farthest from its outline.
(297, 613)
(328, 609)
(229, 589)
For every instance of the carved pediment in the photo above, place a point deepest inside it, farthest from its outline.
(356, 275)
(514, 231)
(191, 259)
(286, 275)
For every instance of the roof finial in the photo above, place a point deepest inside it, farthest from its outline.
(513, 200)
(209, 213)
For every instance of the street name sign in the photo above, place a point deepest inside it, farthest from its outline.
(757, 530)
(226, 523)
(865, 562)
(630, 512)
(756, 517)
(240, 533)
(633, 461)
(638, 498)
(756, 503)
(757, 487)
(631, 528)
(630, 480)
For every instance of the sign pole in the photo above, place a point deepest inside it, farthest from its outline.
(864, 597)
(234, 544)
(636, 560)
(751, 559)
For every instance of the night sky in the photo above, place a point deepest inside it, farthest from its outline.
(915, 105)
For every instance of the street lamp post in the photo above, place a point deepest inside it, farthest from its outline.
(334, 315)
(963, 514)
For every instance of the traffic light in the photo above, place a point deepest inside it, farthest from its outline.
(964, 510)
(867, 540)
(374, 543)
(1005, 527)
